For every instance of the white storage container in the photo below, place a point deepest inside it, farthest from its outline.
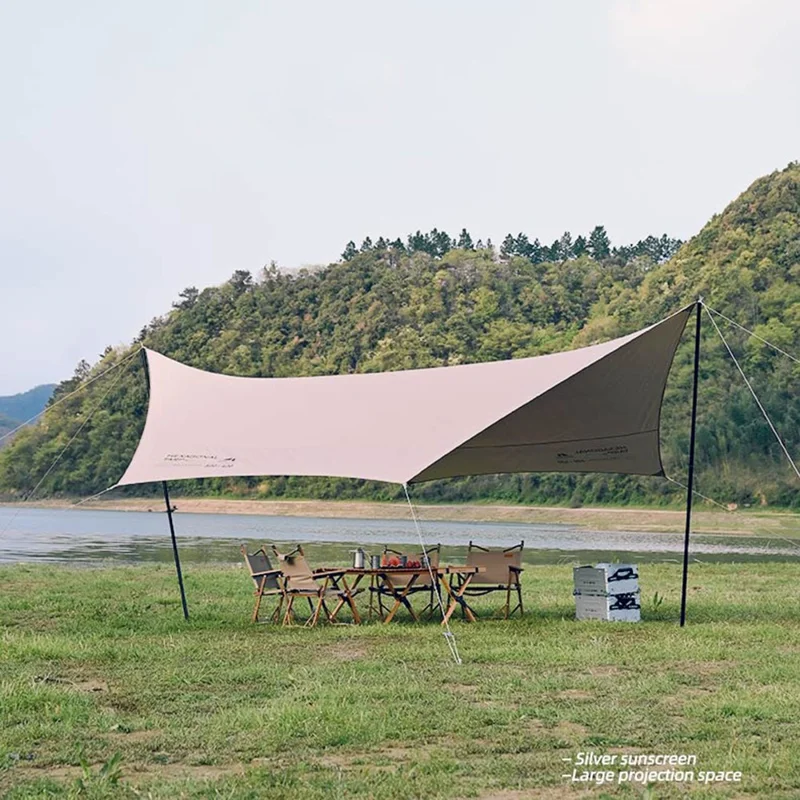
(605, 578)
(612, 607)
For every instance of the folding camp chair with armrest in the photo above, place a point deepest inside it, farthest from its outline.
(268, 581)
(400, 580)
(500, 573)
(299, 580)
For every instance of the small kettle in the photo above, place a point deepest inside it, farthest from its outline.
(359, 558)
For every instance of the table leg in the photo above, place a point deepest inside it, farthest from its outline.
(401, 599)
(464, 604)
(381, 608)
(453, 604)
(457, 598)
(351, 600)
(348, 598)
(371, 608)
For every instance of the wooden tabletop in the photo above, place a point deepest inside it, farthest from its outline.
(447, 570)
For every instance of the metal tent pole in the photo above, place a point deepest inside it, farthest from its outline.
(690, 481)
(175, 551)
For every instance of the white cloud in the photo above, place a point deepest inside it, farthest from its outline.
(709, 45)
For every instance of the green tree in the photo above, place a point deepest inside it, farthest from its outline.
(564, 247)
(188, 298)
(440, 243)
(465, 240)
(508, 248)
(599, 245)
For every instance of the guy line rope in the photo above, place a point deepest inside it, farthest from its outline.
(67, 396)
(749, 385)
(448, 634)
(74, 436)
(699, 494)
(777, 349)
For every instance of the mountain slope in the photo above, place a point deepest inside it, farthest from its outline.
(18, 408)
(6, 424)
(28, 404)
(396, 307)
(746, 264)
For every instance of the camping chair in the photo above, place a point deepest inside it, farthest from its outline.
(300, 581)
(501, 571)
(266, 579)
(400, 579)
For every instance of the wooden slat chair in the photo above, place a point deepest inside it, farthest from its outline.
(501, 571)
(268, 581)
(300, 581)
(401, 579)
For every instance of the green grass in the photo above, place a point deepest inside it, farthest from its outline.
(106, 692)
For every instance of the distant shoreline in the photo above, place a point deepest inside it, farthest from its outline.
(748, 523)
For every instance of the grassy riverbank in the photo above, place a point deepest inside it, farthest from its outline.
(705, 519)
(97, 668)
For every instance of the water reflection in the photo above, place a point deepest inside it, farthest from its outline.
(86, 536)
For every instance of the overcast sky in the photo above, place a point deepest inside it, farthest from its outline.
(150, 146)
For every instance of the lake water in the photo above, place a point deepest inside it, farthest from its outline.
(94, 537)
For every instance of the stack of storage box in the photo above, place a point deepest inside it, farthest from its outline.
(607, 591)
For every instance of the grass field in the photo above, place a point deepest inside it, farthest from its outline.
(106, 692)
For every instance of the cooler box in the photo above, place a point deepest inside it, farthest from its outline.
(612, 607)
(604, 578)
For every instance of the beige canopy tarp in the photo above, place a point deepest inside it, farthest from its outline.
(595, 409)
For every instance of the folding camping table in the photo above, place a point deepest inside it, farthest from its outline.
(455, 581)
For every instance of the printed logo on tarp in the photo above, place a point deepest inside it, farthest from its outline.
(202, 460)
(612, 452)
(601, 769)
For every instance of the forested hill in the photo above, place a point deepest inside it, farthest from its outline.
(6, 424)
(430, 300)
(28, 404)
(16, 409)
